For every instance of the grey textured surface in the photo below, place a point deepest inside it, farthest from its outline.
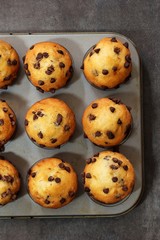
(138, 20)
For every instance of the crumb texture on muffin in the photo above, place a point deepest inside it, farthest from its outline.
(52, 183)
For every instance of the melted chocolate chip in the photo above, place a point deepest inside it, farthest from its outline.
(57, 180)
(114, 179)
(82, 66)
(42, 145)
(8, 178)
(28, 73)
(119, 121)
(125, 167)
(1, 122)
(35, 117)
(91, 53)
(5, 109)
(85, 135)
(71, 194)
(60, 52)
(88, 175)
(95, 72)
(49, 70)
(114, 68)
(117, 50)
(106, 190)
(61, 65)
(9, 62)
(53, 140)
(110, 135)
(51, 178)
(59, 119)
(7, 78)
(126, 64)
(112, 109)
(52, 90)
(14, 62)
(61, 165)
(116, 160)
(86, 189)
(52, 80)
(33, 140)
(92, 117)
(40, 135)
(23, 58)
(4, 194)
(40, 82)
(128, 58)
(105, 72)
(26, 66)
(97, 50)
(45, 54)
(96, 154)
(36, 65)
(67, 169)
(40, 114)
(94, 105)
(47, 201)
(113, 167)
(98, 134)
(125, 188)
(40, 89)
(66, 128)
(39, 56)
(113, 39)
(126, 44)
(26, 122)
(31, 47)
(115, 100)
(89, 160)
(33, 174)
(62, 200)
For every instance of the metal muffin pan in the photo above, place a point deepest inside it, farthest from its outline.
(77, 94)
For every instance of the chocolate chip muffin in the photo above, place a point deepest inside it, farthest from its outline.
(108, 63)
(107, 122)
(7, 123)
(108, 177)
(9, 182)
(9, 64)
(52, 183)
(50, 123)
(48, 66)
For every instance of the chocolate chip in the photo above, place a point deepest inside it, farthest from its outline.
(14, 62)
(114, 68)
(61, 165)
(88, 175)
(82, 66)
(110, 135)
(92, 117)
(40, 135)
(31, 47)
(51, 178)
(86, 189)
(47, 201)
(9, 62)
(5, 109)
(28, 73)
(57, 180)
(67, 169)
(125, 188)
(39, 56)
(105, 72)
(125, 167)
(53, 140)
(113, 167)
(33, 140)
(91, 53)
(59, 119)
(126, 64)
(52, 80)
(113, 39)
(126, 44)
(33, 174)
(60, 52)
(97, 50)
(115, 100)
(23, 58)
(117, 50)
(85, 135)
(40, 114)
(96, 154)
(36, 65)
(40, 82)
(7, 78)
(49, 70)
(128, 129)
(128, 58)
(112, 109)
(114, 179)
(42, 145)
(35, 117)
(119, 121)
(94, 105)
(52, 90)
(40, 89)
(45, 54)
(62, 200)
(66, 128)
(98, 134)
(71, 194)
(89, 160)
(1, 122)
(106, 190)
(26, 66)
(13, 123)
(116, 160)
(95, 72)
(4, 194)
(61, 65)
(94, 160)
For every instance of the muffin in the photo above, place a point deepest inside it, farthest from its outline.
(52, 183)
(108, 63)
(50, 123)
(9, 182)
(108, 177)
(107, 122)
(9, 64)
(7, 123)
(48, 66)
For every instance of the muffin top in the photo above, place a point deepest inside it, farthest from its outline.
(48, 66)
(108, 63)
(9, 182)
(7, 123)
(50, 122)
(52, 183)
(108, 177)
(9, 64)
(106, 122)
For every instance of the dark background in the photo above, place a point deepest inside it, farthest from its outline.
(140, 21)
